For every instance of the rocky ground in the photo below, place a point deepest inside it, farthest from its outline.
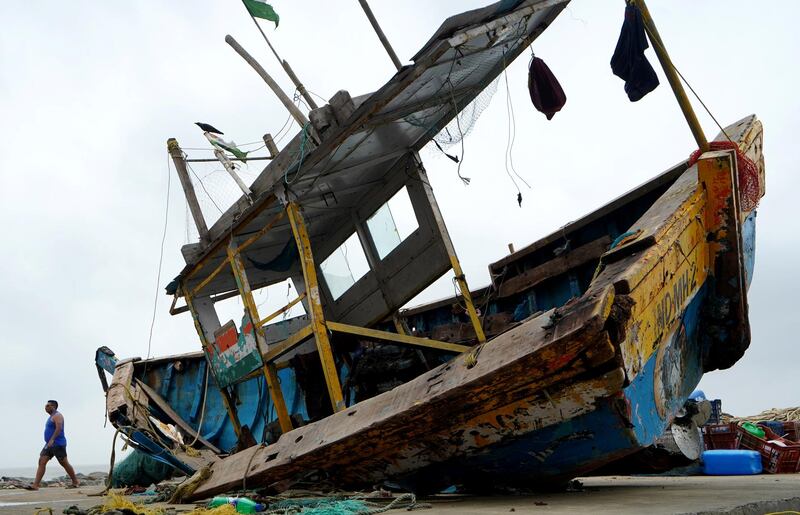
(92, 479)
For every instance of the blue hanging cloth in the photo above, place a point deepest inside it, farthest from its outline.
(628, 62)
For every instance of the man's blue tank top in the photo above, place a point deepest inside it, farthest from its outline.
(50, 428)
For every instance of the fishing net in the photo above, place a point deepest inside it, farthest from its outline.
(463, 123)
(749, 185)
(342, 506)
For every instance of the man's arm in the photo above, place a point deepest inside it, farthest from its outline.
(58, 420)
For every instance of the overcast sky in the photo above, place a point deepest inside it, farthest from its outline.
(90, 92)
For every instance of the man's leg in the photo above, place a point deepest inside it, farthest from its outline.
(43, 459)
(70, 471)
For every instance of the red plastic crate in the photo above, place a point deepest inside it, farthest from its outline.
(776, 459)
(719, 436)
(792, 431)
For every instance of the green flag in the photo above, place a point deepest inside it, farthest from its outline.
(261, 9)
(230, 146)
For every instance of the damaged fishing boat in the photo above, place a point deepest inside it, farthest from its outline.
(581, 351)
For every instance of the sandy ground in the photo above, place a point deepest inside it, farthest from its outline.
(601, 495)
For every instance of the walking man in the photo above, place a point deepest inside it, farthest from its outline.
(55, 445)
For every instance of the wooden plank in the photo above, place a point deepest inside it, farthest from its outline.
(556, 266)
(620, 202)
(396, 338)
(360, 442)
(123, 400)
(282, 310)
(278, 350)
(164, 406)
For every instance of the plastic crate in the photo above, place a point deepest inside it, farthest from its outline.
(775, 458)
(791, 430)
(719, 436)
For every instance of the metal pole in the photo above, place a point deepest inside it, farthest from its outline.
(381, 35)
(285, 100)
(672, 77)
(188, 189)
(288, 69)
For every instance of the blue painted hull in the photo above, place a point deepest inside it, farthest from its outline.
(537, 451)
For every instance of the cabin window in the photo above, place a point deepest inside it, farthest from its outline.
(346, 265)
(274, 297)
(392, 223)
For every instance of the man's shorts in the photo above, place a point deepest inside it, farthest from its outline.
(56, 451)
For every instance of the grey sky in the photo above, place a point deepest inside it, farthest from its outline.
(90, 92)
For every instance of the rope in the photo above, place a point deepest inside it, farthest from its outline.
(303, 140)
(160, 263)
(250, 462)
(655, 41)
(202, 410)
(774, 414)
(188, 487)
(111, 464)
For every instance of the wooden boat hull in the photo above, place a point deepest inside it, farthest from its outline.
(564, 391)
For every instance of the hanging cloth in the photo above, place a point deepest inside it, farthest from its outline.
(280, 263)
(628, 62)
(546, 93)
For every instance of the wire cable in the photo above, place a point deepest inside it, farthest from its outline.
(160, 262)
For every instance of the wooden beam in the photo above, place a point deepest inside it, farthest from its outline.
(188, 189)
(396, 338)
(672, 76)
(164, 406)
(210, 277)
(279, 349)
(461, 279)
(279, 312)
(230, 407)
(556, 266)
(276, 394)
(298, 115)
(314, 302)
(384, 40)
(252, 311)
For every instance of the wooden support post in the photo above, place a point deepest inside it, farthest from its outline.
(188, 189)
(228, 165)
(451, 254)
(272, 148)
(299, 117)
(374, 22)
(205, 339)
(672, 77)
(269, 371)
(317, 316)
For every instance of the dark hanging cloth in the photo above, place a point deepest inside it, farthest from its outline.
(280, 263)
(628, 62)
(546, 93)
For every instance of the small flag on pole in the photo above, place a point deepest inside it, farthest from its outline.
(230, 146)
(261, 9)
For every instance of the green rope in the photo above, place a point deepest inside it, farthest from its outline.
(299, 162)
